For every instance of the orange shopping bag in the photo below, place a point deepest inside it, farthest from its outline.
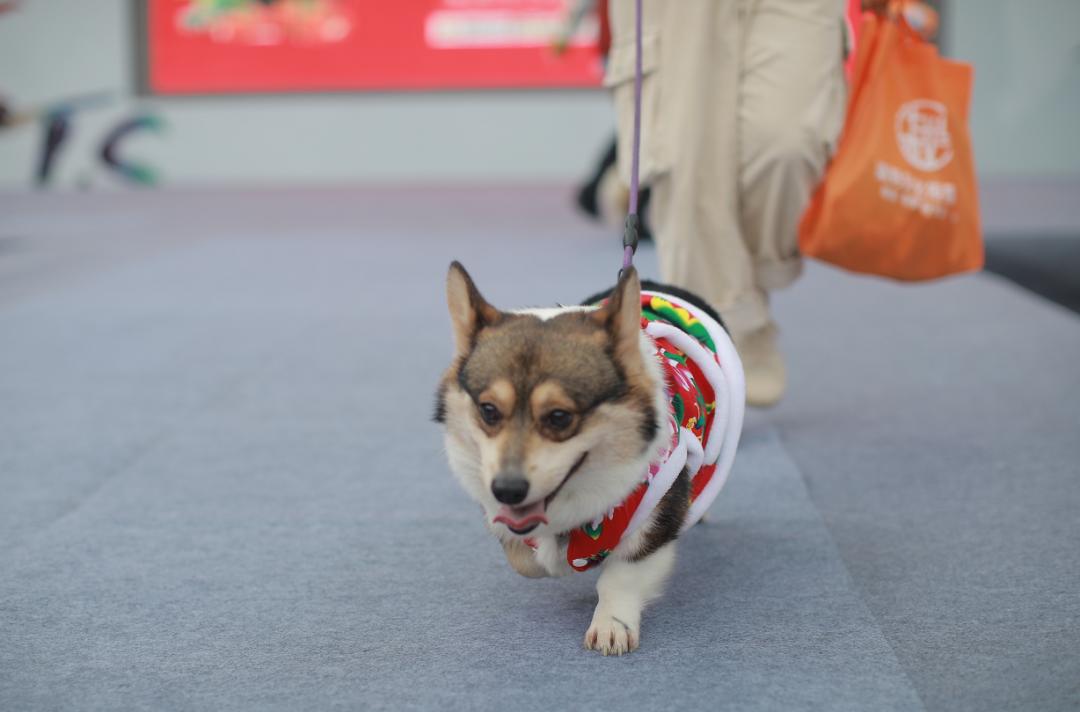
(900, 199)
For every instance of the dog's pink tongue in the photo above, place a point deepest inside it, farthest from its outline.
(522, 517)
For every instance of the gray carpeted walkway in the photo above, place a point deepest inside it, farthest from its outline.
(219, 487)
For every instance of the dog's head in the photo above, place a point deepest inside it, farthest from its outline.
(551, 415)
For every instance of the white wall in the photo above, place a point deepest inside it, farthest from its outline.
(1025, 119)
(1026, 108)
(54, 48)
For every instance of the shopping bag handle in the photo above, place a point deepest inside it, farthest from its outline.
(895, 14)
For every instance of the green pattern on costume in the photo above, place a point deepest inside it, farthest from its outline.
(703, 409)
(682, 319)
(592, 531)
(681, 358)
(679, 406)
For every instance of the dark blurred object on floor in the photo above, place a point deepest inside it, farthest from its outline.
(1048, 265)
(593, 202)
(57, 128)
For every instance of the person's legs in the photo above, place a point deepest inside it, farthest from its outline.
(586, 195)
(741, 100)
(791, 107)
(689, 152)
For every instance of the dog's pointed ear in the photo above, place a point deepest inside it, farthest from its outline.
(621, 318)
(469, 311)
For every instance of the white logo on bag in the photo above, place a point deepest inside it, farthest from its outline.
(922, 132)
(929, 198)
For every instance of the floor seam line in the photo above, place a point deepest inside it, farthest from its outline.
(855, 587)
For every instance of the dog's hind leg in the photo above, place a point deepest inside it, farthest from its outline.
(625, 587)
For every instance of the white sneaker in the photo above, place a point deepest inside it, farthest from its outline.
(766, 376)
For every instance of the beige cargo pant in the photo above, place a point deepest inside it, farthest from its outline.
(742, 104)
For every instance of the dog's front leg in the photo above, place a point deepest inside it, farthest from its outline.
(523, 559)
(624, 588)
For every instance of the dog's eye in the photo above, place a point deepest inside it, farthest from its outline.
(559, 420)
(490, 414)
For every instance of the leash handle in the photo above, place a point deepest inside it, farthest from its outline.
(633, 224)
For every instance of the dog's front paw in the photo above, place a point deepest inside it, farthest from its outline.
(610, 636)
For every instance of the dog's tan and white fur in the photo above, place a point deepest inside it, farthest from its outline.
(568, 400)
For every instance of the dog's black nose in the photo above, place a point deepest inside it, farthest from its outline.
(509, 489)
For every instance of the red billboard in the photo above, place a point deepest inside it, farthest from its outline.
(231, 46)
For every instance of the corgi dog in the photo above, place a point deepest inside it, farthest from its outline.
(592, 436)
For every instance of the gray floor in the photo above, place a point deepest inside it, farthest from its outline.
(219, 488)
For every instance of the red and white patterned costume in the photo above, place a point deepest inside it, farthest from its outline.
(707, 395)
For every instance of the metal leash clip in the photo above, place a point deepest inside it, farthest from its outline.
(631, 230)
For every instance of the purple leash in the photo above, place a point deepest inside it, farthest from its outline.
(633, 223)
